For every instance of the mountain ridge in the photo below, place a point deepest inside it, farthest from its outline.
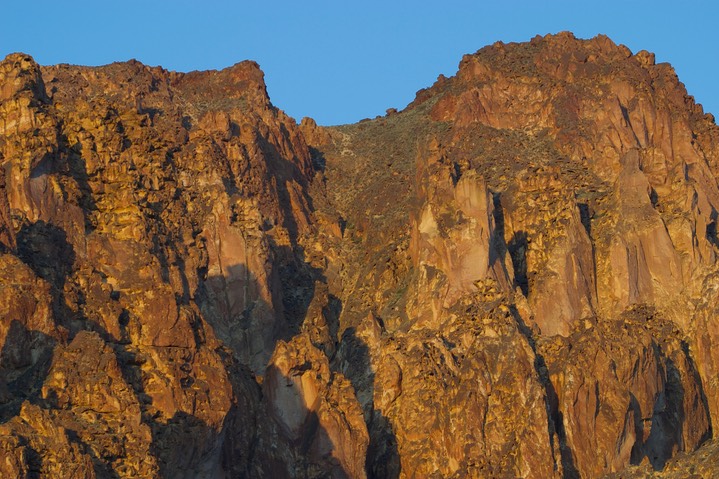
(514, 276)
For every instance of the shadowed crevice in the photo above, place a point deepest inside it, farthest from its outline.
(585, 216)
(517, 248)
(25, 361)
(383, 461)
(555, 424)
(308, 444)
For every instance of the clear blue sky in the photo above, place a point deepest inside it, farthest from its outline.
(339, 61)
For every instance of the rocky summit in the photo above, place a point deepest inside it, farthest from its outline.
(515, 276)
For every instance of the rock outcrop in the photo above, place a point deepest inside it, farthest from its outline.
(515, 276)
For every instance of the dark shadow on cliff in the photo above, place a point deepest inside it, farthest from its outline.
(555, 426)
(585, 216)
(229, 317)
(68, 161)
(307, 445)
(668, 418)
(182, 443)
(77, 169)
(33, 458)
(26, 354)
(45, 249)
(283, 171)
(233, 306)
(25, 361)
(234, 309)
(702, 395)
(102, 469)
(297, 280)
(517, 249)
(319, 162)
(165, 239)
(383, 461)
(241, 449)
(174, 445)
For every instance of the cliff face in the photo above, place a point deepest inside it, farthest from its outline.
(516, 276)
(152, 260)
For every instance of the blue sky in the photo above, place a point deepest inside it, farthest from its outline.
(339, 62)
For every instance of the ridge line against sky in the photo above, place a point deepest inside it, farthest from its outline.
(341, 62)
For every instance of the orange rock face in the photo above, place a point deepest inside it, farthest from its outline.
(516, 276)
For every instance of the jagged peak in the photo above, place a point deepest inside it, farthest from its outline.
(244, 80)
(19, 73)
(560, 57)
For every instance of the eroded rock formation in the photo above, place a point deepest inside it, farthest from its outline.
(516, 276)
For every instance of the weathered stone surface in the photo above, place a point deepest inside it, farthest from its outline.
(449, 396)
(316, 408)
(88, 394)
(579, 148)
(166, 236)
(515, 276)
(455, 244)
(33, 445)
(626, 392)
(700, 464)
(7, 232)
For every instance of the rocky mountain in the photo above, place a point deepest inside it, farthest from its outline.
(515, 276)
